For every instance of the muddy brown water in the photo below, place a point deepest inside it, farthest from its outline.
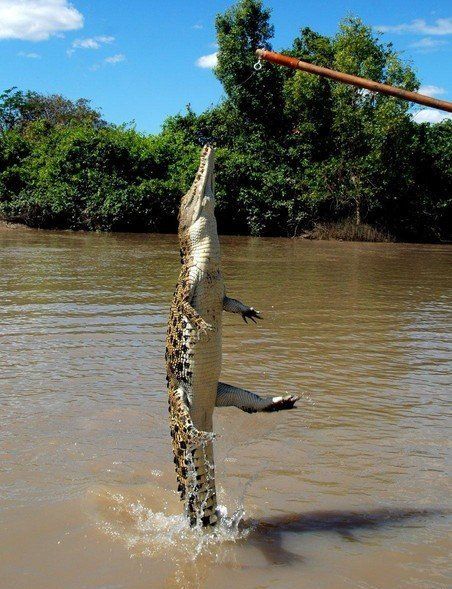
(348, 490)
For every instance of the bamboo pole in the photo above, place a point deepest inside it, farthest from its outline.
(296, 64)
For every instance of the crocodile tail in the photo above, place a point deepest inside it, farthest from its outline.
(201, 500)
(193, 459)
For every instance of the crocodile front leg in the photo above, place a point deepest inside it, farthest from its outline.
(187, 308)
(230, 396)
(195, 318)
(235, 306)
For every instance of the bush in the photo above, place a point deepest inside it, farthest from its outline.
(347, 230)
(295, 153)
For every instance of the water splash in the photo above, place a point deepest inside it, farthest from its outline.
(153, 533)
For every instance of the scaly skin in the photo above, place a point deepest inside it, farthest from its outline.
(193, 350)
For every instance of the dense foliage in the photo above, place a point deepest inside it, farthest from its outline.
(293, 149)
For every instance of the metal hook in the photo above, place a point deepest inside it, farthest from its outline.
(258, 65)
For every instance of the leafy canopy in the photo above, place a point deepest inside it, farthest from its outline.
(293, 149)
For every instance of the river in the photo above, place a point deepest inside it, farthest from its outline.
(348, 490)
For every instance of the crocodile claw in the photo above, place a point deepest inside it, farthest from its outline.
(279, 403)
(204, 328)
(252, 314)
(199, 438)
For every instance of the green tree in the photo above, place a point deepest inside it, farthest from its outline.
(428, 213)
(256, 96)
(293, 149)
(18, 109)
(308, 98)
(359, 144)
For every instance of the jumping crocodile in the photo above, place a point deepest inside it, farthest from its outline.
(193, 350)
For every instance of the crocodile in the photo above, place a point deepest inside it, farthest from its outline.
(193, 350)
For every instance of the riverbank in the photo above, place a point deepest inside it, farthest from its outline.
(348, 231)
(7, 226)
(340, 231)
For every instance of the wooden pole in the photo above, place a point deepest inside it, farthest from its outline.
(296, 64)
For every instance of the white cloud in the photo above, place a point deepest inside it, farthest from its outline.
(430, 90)
(104, 39)
(427, 44)
(85, 44)
(430, 115)
(208, 61)
(114, 59)
(90, 43)
(29, 55)
(111, 60)
(37, 20)
(441, 26)
(198, 26)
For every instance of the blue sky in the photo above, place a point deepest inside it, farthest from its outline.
(139, 60)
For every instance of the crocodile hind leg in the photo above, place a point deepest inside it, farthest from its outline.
(230, 396)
